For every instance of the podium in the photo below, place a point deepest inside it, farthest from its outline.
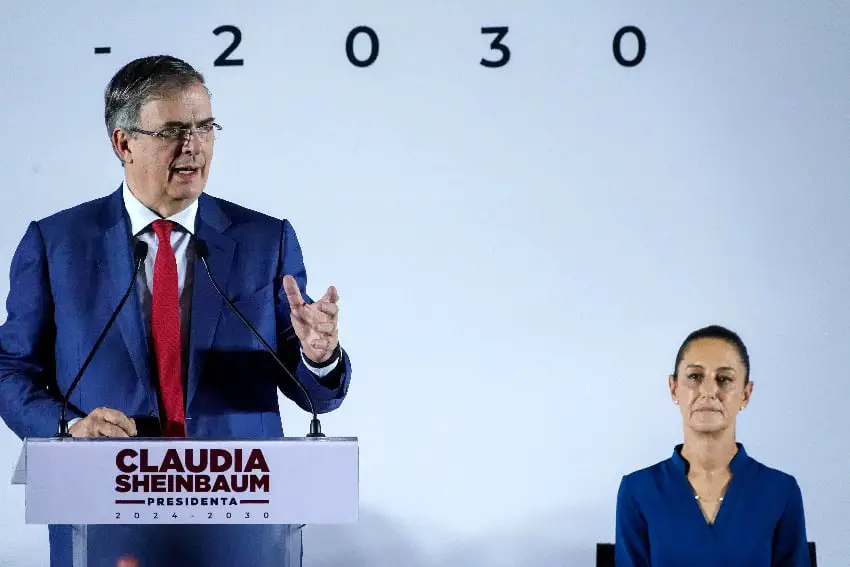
(163, 486)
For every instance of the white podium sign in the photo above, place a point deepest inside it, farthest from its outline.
(197, 481)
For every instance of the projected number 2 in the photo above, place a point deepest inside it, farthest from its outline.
(369, 47)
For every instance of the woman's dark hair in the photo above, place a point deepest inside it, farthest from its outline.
(715, 332)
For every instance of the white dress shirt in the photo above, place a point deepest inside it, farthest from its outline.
(141, 219)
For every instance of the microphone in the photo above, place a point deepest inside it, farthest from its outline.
(140, 252)
(202, 251)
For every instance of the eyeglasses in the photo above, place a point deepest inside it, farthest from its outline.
(205, 132)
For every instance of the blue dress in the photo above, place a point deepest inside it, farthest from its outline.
(760, 522)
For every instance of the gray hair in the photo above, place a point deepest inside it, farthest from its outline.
(142, 80)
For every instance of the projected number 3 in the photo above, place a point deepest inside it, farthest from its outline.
(367, 54)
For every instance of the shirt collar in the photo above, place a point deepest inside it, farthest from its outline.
(735, 465)
(141, 217)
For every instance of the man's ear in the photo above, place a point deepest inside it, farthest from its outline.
(121, 146)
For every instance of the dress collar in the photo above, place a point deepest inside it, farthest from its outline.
(736, 465)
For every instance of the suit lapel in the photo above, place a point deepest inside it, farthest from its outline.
(116, 261)
(211, 225)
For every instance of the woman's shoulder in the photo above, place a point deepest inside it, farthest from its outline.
(652, 474)
(772, 476)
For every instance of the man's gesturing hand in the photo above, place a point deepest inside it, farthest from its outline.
(315, 324)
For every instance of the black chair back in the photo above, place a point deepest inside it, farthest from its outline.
(605, 554)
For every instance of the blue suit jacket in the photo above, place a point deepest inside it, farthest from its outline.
(68, 274)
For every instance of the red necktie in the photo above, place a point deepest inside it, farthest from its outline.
(165, 328)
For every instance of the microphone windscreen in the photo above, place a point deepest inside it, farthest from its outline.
(140, 250)
(201, 250)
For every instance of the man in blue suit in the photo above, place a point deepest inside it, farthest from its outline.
(177, 362)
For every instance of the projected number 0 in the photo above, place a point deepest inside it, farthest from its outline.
(497, 45)
(374, 46)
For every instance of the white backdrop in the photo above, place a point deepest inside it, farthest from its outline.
(519, 250)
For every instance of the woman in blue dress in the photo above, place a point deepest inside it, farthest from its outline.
(710, 504)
